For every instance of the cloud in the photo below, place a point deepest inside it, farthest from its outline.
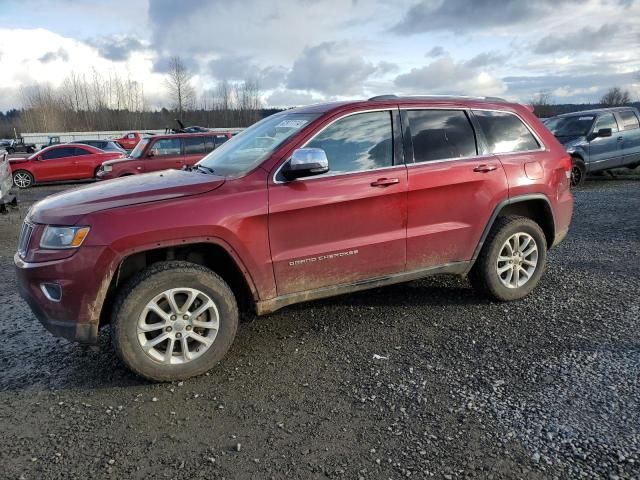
(585, 39)
(464, 15)
(162, 64)
(436, 51)
(485, 59)
(331, 68)
(229, 67)
(290, 98)
(60, 54)
(117, 47)
(444, 76)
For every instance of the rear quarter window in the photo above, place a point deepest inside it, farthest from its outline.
(505, 132)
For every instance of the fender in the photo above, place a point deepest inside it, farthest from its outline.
(498, 209)
(181, 242)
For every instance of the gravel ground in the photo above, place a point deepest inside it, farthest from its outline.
(418, 380)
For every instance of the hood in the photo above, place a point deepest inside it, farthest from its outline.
(570, 140)
(67, 208)
(121, 159)
(19, 160)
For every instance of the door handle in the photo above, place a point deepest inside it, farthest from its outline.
(484, 168)
(620, 139)
(385, 182)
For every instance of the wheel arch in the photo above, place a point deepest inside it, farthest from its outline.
(537, 207)
(218, 256)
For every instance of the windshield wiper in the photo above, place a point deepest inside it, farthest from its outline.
(208, 169)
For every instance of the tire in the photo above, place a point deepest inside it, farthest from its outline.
(11, 150)
(30, 150)
(578, 172)
(131, 313)
(23, 179)
(485, 276)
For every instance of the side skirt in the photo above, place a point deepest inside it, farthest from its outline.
(265, 307)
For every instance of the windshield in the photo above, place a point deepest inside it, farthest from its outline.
(137, 151)
(249, 148)
(573, 126)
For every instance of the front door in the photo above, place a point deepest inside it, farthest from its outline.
(605, 152)
(57, 163)
(348, 224)
(166, 154)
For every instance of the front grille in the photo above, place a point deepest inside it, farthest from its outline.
(25, 238)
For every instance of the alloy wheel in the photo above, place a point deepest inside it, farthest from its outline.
(517, 260)
(22, 180)
(178, 325)
(576, 176)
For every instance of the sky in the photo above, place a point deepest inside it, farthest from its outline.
(308, 51)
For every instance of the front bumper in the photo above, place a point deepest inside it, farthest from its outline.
(83, 278)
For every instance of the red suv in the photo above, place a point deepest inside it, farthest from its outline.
(162, 152)
(305, 204)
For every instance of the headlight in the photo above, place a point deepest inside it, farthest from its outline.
(107, 168)
(57, 238)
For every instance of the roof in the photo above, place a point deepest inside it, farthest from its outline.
(595, 111)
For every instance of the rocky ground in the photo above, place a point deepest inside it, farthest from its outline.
(418, 380)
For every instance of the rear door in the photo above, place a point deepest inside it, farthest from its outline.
(630, 137)
(85, 162)
(605, 152)
(453, 187)
(350, 223)
(195, 148)
(166, 154)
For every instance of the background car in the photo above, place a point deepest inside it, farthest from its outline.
(106, 145)
(6, 182)
(599, 139)
(162, 152)
(68, 161)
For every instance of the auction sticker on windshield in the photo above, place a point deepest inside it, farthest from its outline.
(292, 123)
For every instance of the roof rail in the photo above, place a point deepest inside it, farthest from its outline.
(379, 98)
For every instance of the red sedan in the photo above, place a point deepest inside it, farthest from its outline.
(59, 163)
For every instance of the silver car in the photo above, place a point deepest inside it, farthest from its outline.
(599, 139)
(6, 182)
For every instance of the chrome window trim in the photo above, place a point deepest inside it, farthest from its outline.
(330, 174)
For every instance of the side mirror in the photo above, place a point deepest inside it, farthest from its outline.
(150, 154)
(39, 158)
(306, 162)
(604, 132)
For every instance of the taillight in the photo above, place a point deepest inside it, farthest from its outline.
(567, 163)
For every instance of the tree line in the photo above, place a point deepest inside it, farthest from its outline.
(544, 105)
(95, 102)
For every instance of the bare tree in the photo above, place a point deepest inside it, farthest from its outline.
(179, 85)
(542, 104)
(615, 97)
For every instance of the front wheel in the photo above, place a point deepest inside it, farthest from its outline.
(578, 172)
(174, 320)
(512, 259)
(22, 179)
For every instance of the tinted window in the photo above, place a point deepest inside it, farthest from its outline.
(59, 153)
(606, 121)
(357, 142)
(194, 145)
(440, 134)
(506, 133)
(81, 151)
(209, 143)
(629, 120)
(220, 139)
(166, 146)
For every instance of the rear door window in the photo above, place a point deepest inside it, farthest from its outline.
(441, 134)
(194, 145)
(629, 120)
(505, 132)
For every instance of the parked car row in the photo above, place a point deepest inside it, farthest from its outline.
(599, 139)
(103, 159)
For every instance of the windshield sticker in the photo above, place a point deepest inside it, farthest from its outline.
(585, 118)
(291, 124)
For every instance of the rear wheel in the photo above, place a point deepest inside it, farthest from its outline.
(22, 179)
(11, 150)
(174, 320)
(512, 259)
(578, 172)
